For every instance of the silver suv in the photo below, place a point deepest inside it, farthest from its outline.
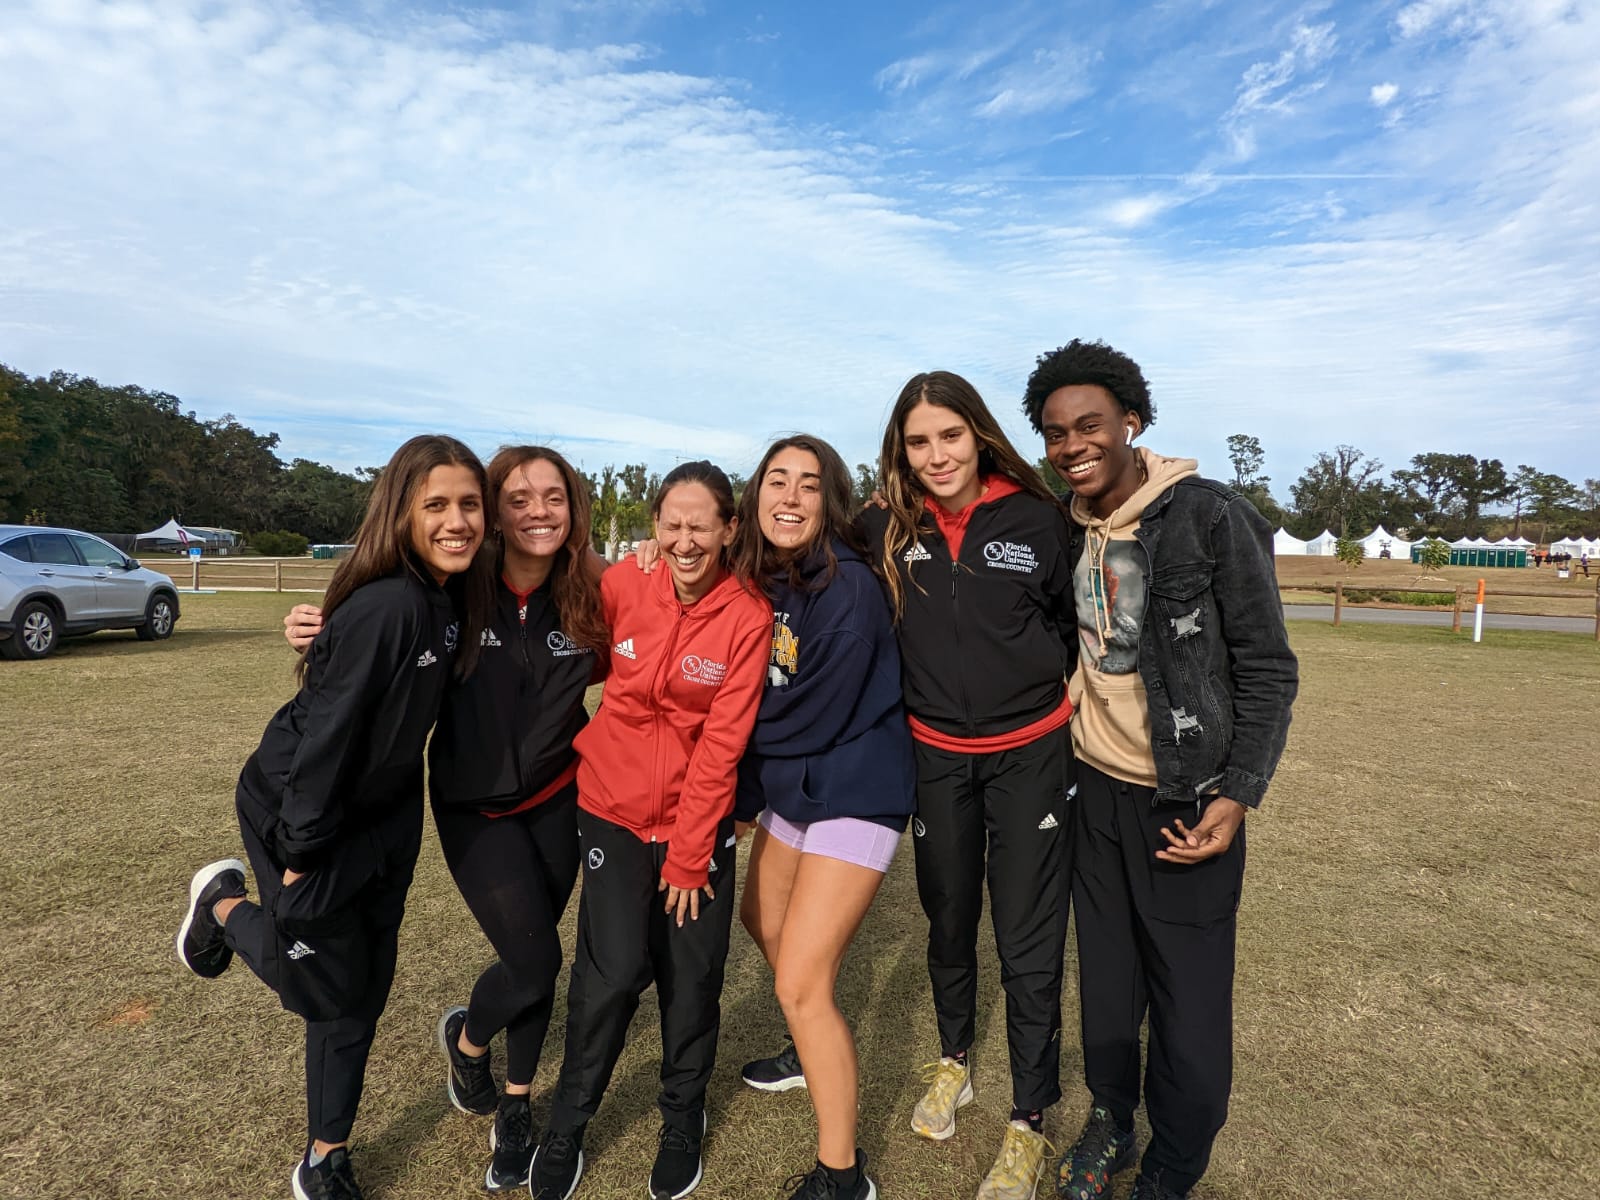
(57, 583)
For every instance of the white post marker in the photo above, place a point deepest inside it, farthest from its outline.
(1477, 616)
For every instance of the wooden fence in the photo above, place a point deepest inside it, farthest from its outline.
(1460, 600)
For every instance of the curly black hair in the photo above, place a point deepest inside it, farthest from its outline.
(1088, 362)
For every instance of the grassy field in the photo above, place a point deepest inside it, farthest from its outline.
(1418, 990)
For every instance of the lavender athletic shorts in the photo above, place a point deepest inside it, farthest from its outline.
(849, 839)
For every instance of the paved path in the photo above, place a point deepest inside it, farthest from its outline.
(1402, 616)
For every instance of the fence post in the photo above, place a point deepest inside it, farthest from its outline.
(194, 585)
(1338, 602)
(1455, 617)
(277, 576)
(1597, 611)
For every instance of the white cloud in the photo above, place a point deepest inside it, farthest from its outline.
(1383, 93)
(1269, 87)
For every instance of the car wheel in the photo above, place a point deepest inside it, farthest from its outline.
(159, 618)
(35, 632)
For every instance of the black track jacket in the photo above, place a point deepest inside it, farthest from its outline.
(347, 750)
(505, 732)
(987, 642)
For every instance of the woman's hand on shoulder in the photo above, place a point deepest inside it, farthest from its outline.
(647, 555)
(301, 626)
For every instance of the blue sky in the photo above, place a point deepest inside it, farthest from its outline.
(646, 230)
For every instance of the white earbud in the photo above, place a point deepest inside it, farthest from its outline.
(1129, 442)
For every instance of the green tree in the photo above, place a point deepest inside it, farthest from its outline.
(1434, 556)
(1350, 552)
(866, 482)
(1329, 493)
(1052, 481)
(1247, 457)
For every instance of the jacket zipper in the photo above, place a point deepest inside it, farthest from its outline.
(657, 694)
(955, 620)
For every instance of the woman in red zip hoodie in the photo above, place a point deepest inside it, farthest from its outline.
(656, 775)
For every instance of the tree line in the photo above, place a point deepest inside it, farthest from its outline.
(122, 459)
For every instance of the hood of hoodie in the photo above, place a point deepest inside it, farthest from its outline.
(1160, 473)
(953, 525)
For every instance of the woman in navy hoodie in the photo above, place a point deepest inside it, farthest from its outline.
(829, 769)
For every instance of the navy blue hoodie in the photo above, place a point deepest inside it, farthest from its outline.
(831, 738)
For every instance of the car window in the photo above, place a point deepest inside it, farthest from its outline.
(18, 548)
(95, 552)
(53, 548)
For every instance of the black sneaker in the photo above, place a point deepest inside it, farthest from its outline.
(776, 1074)
(331, 1179)
(201, 947)
(678, 1166)
(511, 1140)
(820, 1184)
(1150, 1187)
(468, 1081)
(557, 1166)
(1101, 1150)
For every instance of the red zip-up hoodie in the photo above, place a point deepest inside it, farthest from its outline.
(660, 757)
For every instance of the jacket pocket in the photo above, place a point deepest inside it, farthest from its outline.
(1191, 893)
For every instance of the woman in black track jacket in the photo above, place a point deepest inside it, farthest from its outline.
(973, 546)
(330, 805)
(501, 781)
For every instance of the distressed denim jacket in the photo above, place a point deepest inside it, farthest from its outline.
(1213, 654)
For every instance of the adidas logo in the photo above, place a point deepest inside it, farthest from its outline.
(711, 867)
(425, 659)
(490, 638)
(1049, 821)
(624, 648)
(299, 950)
(917, 553)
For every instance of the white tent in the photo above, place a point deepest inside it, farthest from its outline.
(1380, 539)
(172, 532)
(1575, 546)
(1322, 544)
(1518, 543)
(1284, 542)
(1465, 543)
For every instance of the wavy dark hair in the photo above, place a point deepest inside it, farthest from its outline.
(715, 480)
(904, 492)
(383, 542)
(575, 573)
(757, 559)
(1088, 362)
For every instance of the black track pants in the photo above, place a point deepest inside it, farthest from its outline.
(625, 943)
(1007, 815)
(516, 874)
(327, 945)
(1159, 938)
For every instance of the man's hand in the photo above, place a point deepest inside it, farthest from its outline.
(1211, 837)
(684, 900)
(302, 625)
(740, 828)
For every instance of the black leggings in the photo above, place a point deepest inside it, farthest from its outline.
(516, 874)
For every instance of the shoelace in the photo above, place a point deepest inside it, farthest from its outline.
(341, 1180)
(673, 1138)
(513, 1128)
(559, 1148)
(1021, 1156)
(813, 1185)
(944, 1077)
(789, 1060)
(1098, 1136)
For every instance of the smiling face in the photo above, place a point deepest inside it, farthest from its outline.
(1086, 440)
(789, 506)
(942, 451)
(693, 535)
(447, 521)
(533, 513)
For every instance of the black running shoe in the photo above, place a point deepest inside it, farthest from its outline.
(511, 1139)
(820, 1184)
(557, 1166)
(678, 1166)
(776, 1074)
(200, 943)
(468, 1081)
(1150, 1187)
(1101, 1150)
(331, 1179)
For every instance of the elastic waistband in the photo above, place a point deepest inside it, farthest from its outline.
(543, 794)
(990, 743)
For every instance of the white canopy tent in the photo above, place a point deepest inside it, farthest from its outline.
(1519, 543)
(1380, 539)
(172, 532)
(1284, 542)
(1575, 546)
(1322, 544)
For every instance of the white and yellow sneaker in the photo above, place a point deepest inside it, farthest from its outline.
(1015, 1174)
(949, 1088)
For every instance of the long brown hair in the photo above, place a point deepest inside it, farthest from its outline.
(383, 543)
(905, 493)
(575, 573)
(757, 559)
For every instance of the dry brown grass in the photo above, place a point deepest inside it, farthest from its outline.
(1419, 981)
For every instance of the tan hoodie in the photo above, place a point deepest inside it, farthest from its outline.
(1111, 728)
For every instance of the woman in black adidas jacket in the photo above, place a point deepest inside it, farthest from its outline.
(501, 779)
(330, 804)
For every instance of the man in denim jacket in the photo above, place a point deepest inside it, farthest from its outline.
(1182, 696)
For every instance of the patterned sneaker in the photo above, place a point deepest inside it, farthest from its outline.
(557, 1166)
(1015, 1174)
(776, 1074)
(949, 1088)
(511, 1141)
(820, 1184)
(468, 1081)
(1099, 1153)
(201, 947)
(330, 1179)
(1150, 1187)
